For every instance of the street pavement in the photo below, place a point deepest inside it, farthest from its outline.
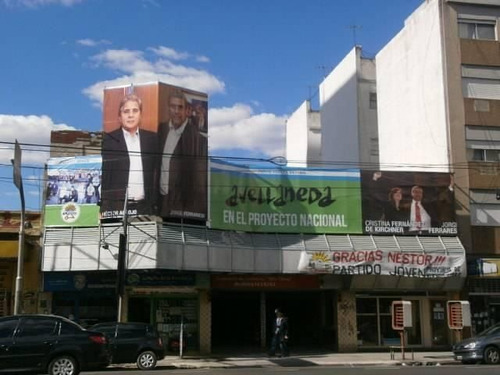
(303, 360)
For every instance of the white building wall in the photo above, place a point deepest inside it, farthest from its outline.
(412, 117)
(339, 114)
(314, 139)
(303, 137)
(367, 117)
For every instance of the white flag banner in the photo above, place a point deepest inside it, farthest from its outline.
(383, 262)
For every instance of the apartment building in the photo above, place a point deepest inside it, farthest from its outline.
(438, 85)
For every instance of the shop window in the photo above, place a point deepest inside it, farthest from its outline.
(389, 336)
(386, 305)
(170, 313)
(374, 320)
(366, 305)
(367, 330)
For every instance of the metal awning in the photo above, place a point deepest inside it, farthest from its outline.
(154, 245)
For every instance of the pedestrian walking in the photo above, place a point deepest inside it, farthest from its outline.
(279, 342)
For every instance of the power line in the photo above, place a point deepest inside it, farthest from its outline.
(326, 163)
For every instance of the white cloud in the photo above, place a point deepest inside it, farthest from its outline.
(238, 127)
(147, 3)
(92, 43)
(230, 128)
(138, 70)
(170, 53)
(123, 60)
(39, 3)
(202, 59)
(27, 129)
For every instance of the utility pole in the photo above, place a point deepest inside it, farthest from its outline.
(18, 181)
(122, 261)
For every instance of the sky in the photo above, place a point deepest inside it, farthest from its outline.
(258, 61)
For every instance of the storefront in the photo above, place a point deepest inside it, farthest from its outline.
(253, 299)
(9, 250)
(373, 318)
(167, 299)
(170, 300)
(484, 292)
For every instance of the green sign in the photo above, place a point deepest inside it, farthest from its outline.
(73, 190)
(281, 199)
(72, 214)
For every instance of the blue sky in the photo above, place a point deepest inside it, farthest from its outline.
(258, 60)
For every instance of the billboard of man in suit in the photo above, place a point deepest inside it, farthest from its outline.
(129, 157)
(182, 178)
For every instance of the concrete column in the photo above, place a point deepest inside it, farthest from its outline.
(263, 322)
(425, 319)
(205, 322)
(346, 322)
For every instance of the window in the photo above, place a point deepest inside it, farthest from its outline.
(481, 88)
(7, 328)
(69, 328)
(373, 100)
(374, 320)
(31, 327)
(483, 143)
(476, 29)
(486, 155)
(481, 105)
(129, 331)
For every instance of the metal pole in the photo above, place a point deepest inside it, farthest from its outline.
(122, 260)
(18, 181)
(18, 297)
(402, 334)
(181, 337)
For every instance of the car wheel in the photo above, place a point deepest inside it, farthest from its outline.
(63, 365)
(491, 355)
(146, 360)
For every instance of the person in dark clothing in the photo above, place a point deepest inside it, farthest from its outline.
(280, 335)
(395, 209)
(183, 165)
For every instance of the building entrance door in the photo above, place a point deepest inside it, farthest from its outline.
(439, 323)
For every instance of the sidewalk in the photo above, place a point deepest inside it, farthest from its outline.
(298, 360)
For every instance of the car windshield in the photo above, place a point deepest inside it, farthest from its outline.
(490, 331)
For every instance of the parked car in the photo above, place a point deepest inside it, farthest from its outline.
(484, 347)
(50, 344)
(133, 342)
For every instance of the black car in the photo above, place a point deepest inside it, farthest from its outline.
(49, 344)
(133, 342)
(484, 347)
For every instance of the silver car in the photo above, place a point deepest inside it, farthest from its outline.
(484, 347)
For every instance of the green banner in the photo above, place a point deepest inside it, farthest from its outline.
(72, 192)
(72, 214)
(285, 200)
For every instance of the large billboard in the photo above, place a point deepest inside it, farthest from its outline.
(271, 198)
(408, 203)
(154, 152)
(73, 191)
